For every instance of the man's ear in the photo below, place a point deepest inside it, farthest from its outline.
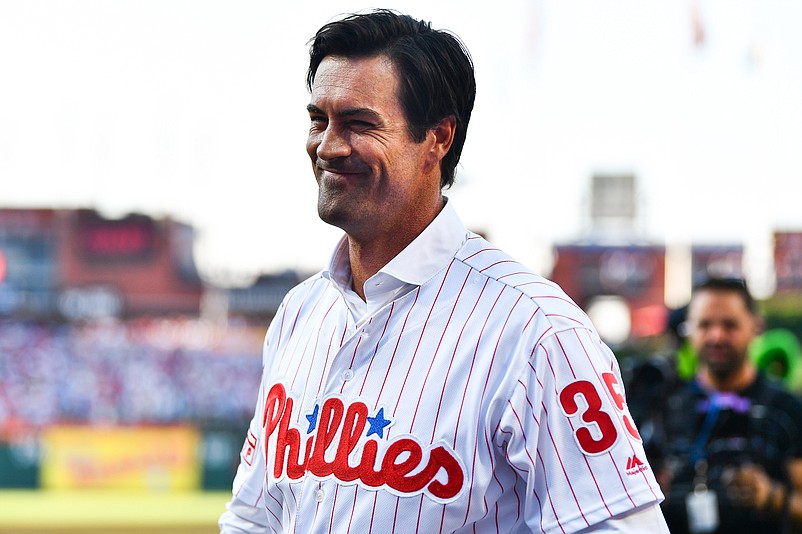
(760, 325)
(443, 137)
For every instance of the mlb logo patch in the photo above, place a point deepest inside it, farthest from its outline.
(248, 448)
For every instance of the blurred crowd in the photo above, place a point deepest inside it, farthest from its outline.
(155, 371)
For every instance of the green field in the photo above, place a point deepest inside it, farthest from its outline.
(94, 511)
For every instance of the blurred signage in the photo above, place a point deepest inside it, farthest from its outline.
(96, 302)
(587, 271)
(148, 458)
(131, 238)
(720, 261)
(788, 261)
(264, 296)
(27, 222)
(631, 276)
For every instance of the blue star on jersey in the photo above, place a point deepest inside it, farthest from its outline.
(377, 424)
(312, 418)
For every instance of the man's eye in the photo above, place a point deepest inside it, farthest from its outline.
(317, 123)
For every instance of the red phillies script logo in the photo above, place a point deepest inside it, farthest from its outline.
(339, 430)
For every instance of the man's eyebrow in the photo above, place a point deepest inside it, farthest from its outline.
(348, 112)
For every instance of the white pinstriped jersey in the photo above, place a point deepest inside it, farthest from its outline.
(481, 401)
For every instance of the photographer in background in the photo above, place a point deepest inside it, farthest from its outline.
(732, 460)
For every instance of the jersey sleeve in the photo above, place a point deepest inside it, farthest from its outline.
(247, 505)
(242, 518)
(249, 479)
(572, 439)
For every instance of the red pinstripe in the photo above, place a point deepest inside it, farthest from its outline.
(470, 371)
(526, 449)
(620, 478)
(311, 357)
(333, 506)
(508, 275)
(271, 511)
(351, 517)
(373, 511)
(459, 418)
(294, 498)
(420, 510)
(395, 515)
(487, 378)
(495, 477)
(548, 495)
(356, 349)
(325, 365)
(593, 476)
(376, 350)
(578, 323)
(292, 328)
(431, 363)
(420, 338)
(465, 259)
(567, 360)
(395, 349)
(562, 465)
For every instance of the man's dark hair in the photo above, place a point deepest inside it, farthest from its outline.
(729, 285)
(435, 70)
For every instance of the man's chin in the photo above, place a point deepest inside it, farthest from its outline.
(722, 370)
(333, 215)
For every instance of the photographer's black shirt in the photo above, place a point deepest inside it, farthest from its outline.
(708, 432)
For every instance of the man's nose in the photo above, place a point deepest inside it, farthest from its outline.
(333, 144)
(717, 333)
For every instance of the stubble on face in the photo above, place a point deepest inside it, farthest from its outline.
(349, 100)
(721, 332)
(722, 359)
(372, 178)
(338, 201)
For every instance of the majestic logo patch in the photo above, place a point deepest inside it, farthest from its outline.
(405, 467)
(635, 466)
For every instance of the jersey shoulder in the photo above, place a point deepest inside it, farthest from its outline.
(301, 292)
(548, 297)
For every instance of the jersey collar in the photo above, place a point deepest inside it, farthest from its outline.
(424, 257)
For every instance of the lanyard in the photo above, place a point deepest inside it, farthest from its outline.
(698, 448)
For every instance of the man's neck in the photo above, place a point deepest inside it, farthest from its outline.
(367, 261)
(367, 257)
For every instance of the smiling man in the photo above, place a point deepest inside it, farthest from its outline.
(425, 381)
(378, 185)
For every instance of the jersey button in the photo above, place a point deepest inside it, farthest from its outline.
(348, 375)
(319, 495)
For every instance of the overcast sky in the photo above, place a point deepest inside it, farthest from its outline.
(195, 109)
